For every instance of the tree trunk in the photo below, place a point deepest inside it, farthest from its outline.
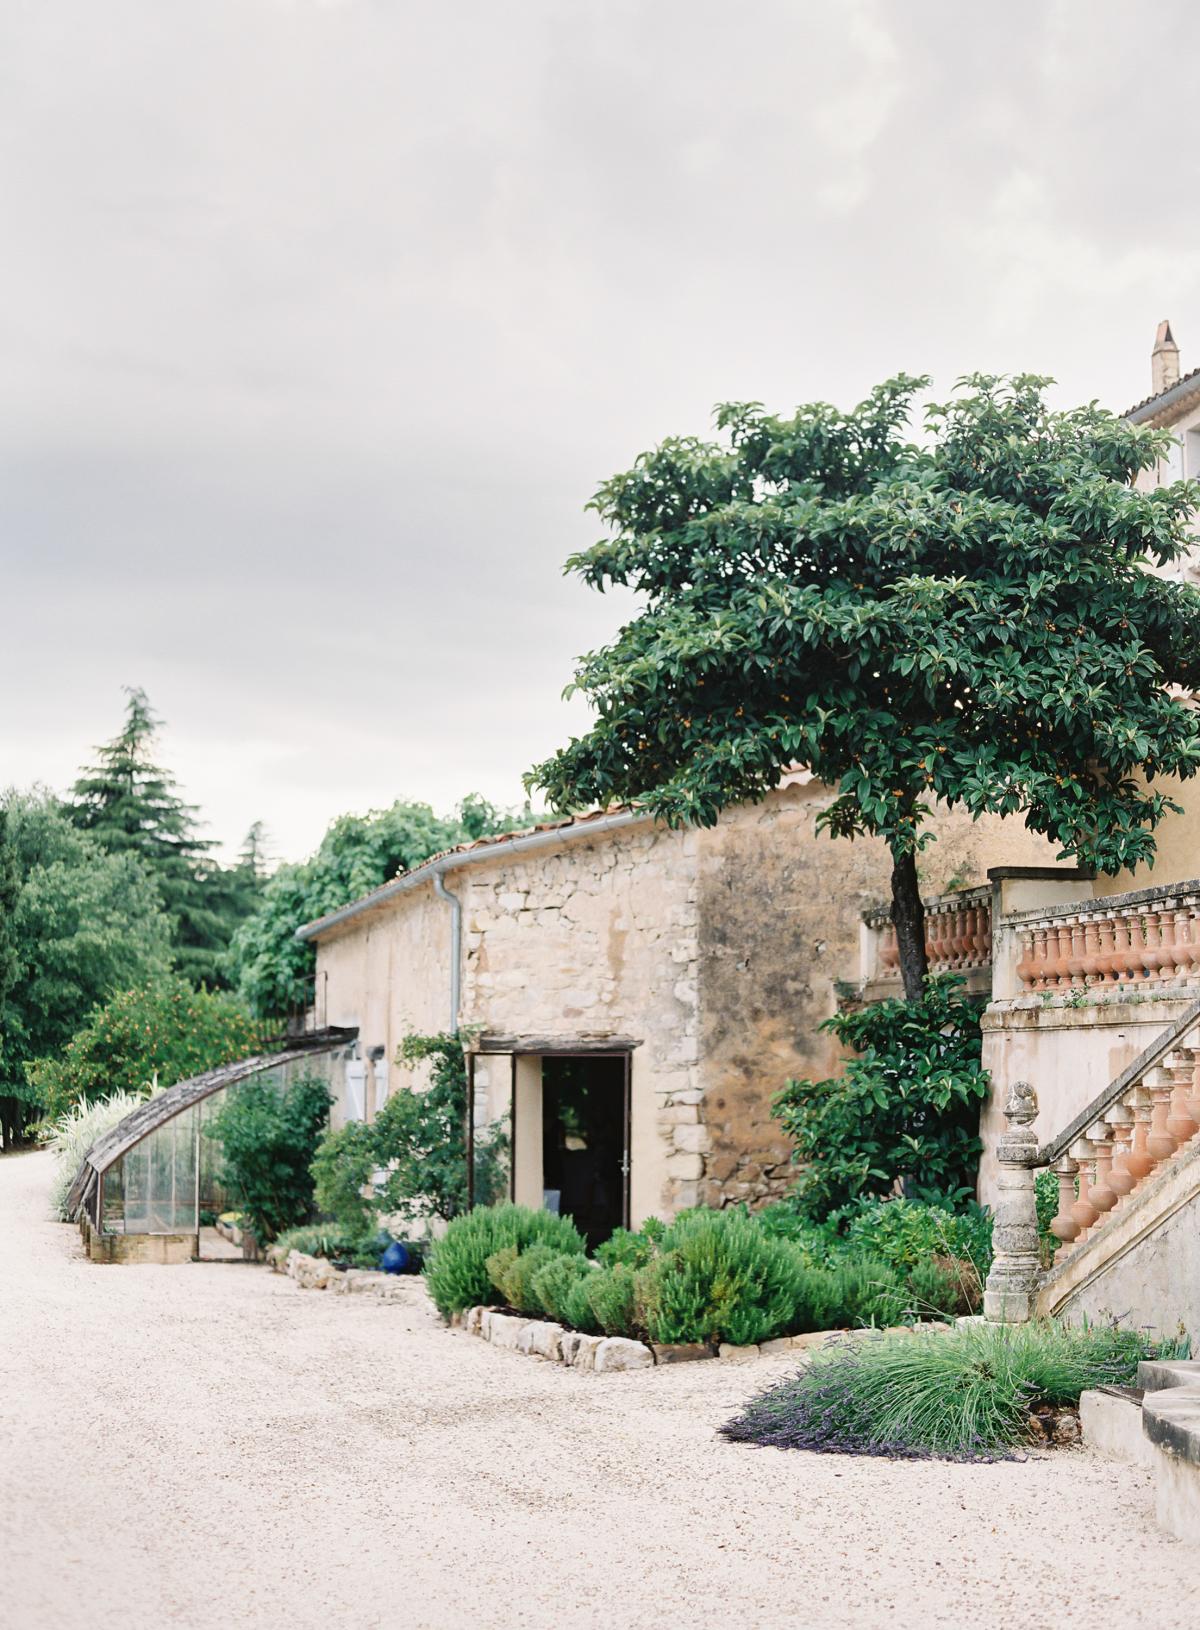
(908, 916)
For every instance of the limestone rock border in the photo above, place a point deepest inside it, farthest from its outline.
(318, 1273)
(541, 1338)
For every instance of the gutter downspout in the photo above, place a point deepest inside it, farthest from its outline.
(455, 904)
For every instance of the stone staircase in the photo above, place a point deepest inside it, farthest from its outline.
(1128, 1219)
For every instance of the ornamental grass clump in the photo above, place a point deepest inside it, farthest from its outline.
(965, 1395)
(456, 1272)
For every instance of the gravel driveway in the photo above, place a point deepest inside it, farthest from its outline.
(209, 1446)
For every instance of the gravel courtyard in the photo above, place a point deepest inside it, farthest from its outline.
(209, 1446)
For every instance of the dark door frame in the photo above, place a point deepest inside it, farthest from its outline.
(541, 1047)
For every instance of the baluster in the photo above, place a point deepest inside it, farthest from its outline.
(1041, 956)
(1138, 973)
(1193, 1102)
(1103, 1196)
(1106, 962)
(1075, 957)
(1160, 1145)
(1156, 953)
(1093, 961)
(1026, 966)
(1168, 928)
(1180, 1124)
(1060, 933)
(1083, 1211)
(1122, 949)
(1191, 942)
(985, 924)
(971, 957)
(1185, 948)
(1121, 1179)
(1064, 1227)
(1139, 1160)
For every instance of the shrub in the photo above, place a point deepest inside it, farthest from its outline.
(904, 1233)
(610, 1294)
(633, 1248)
(162, 1032)
(578, 1306)
(456, 1267)
(849, 1292)
(554, 1282)
(334, 1242)
(71, 1136)
(963, 1395)
(719, 1277)
(341, 1170)
(268, 1135)
(513, 1272)
(944, 1285)
(905, 1108)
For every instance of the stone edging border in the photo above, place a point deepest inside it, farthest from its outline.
(540, 1338)
(318, 1273)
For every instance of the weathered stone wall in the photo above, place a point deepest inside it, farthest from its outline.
(780, 909)
(716, 951)
(599, 939)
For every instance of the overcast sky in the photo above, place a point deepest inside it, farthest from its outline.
(320, 321)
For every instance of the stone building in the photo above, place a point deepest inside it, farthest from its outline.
(634, 996)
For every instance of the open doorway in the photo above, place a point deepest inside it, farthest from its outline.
(585, 1141)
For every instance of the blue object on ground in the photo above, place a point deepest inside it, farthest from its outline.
(395, 1259)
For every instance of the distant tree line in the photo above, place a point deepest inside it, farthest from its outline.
(113, 908)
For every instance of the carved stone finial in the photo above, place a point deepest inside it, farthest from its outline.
(1021, 1105)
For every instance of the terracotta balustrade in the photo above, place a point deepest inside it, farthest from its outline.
(958, 935)
(1153, 1122)
(1110, 945)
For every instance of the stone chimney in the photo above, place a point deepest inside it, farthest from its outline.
(1164, 360)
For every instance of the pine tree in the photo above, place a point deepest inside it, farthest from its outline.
(131, 805)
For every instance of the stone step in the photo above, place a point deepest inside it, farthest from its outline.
(1110, 1420)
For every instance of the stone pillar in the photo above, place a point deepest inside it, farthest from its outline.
(1010, 1295)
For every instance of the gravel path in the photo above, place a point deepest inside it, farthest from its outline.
(208, 1446)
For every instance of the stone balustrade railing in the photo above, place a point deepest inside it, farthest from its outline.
(958, 935)
(1150, 939)
(1145, 1120)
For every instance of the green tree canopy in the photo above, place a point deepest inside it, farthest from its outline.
(82, 923)
(357, 854)
(163, 1030)
(970, 620)
(131, 806)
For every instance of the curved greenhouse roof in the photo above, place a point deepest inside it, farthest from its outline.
(152, 1173)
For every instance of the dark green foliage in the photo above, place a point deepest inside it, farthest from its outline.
(84, 924)
(342, 1168)
(554, 1283)
(906, 1107)
(968, 620)
(357, 854)
(359, 1247)
(719, 1277)
(514, 1273)
(611, 1295)
(268, 1135)
(456, 1267)
(130, 805)
(944, 1285)
(12, 1110)
(632, 1247)
(1046, 1194)
(577, 1307)
(963, 1395)
(849, 1292)
(165, 1030)
(906, 1232)
(420, 1138)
